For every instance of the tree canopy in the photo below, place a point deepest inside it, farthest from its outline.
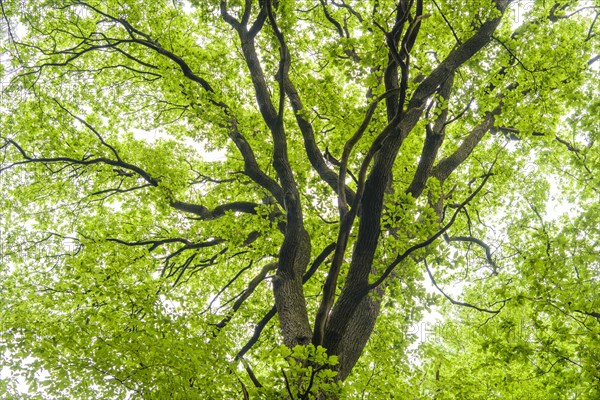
(300, 199)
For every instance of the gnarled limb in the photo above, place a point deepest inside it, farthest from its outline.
(271, 313)
(294, 253)
(357, 282)
(434, 136)
(219, 211)
(312, 151)
(446, 166)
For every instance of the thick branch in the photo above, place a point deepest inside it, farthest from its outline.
(219, 211)
(294, 253)
(265, 320)
(349, 145)
(381, 172)
(272, 117)
(390, 75)
(251, 167)
(310, 145)
(445, 167)
(434, 136)
(347, 219)
(456, 58)
(333, 21)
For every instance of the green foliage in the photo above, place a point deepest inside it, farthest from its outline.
(140, 244)
(303, 372)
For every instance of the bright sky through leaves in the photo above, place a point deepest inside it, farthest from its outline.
(271, 199)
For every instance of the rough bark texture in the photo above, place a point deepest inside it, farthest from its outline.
(289, 293)
(352, 310)
(358, 333)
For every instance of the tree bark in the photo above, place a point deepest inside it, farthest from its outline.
(289, 292)
(353, 308)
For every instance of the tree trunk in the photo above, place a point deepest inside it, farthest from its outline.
(358, 333)
(289, 291)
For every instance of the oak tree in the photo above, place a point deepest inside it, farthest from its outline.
(264, 199)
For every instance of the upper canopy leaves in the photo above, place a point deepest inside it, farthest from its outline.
(174, 174)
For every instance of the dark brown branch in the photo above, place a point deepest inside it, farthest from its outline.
(219, 211)
(568, 145)
(188, 245)
(431, 239)
(231, 281)
(250, 373)
(180, 269)
(230, 19)
(272, 117)
(287, 385)
(10, 31)
(85, 161)
(284, 60)
(333, 21)
(434, 136)
(514, 57)
(456, 58)
(460, 114)
(251, 167)
(447, 22)
(192, 246)
(311, 381)
(407, 44)
(152, 243)
(312, 150)
(589, 313)
(113, 191)
(352, 11)
(480, 243)
(148, 42)
(460, 303)
(74, 56)
(252, 285)
(258, 328)
(137, 60)
(258, 24)
(207, 262)
(387, 147)
(246, 14)
(446, 166)
(347, 219)
(349, 145)
(394, 60)
(295, 250)
(91, 128)
(318, 261)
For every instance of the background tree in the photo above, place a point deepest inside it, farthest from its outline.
(177, 174)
